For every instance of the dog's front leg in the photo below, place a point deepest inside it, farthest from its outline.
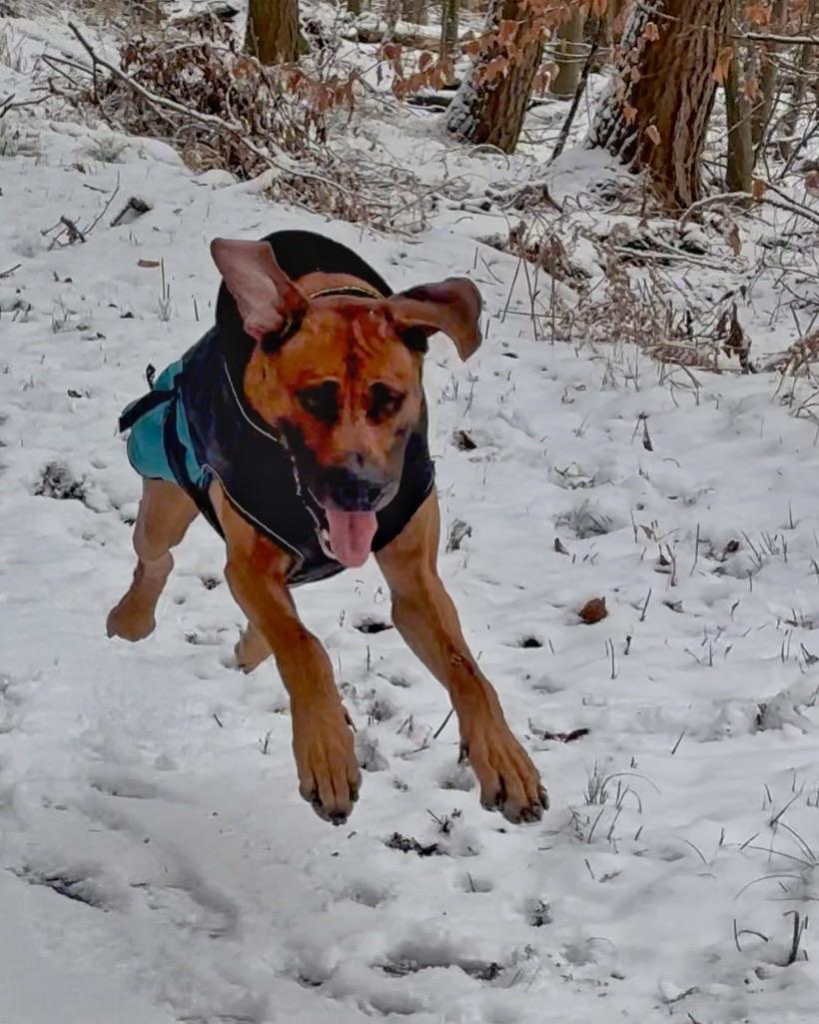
(425, 616)
(329, 776)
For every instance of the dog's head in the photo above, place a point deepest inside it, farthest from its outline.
(339, 376)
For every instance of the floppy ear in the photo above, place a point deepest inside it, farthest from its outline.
(266, 298)
(452, 306)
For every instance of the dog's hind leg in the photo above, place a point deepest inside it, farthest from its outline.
(252, 649)
(165, 513)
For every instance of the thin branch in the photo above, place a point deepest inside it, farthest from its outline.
(723, 197)
(581, 88)
(772, 37)
(791, 204)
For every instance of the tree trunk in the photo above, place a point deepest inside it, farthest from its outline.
(656, 111)
(740, 166)
(392, 14)
(569, 55)
(354, 6)
(450, 9)
(490, 104)
(762, 112)
(790, 122)
(273, 31)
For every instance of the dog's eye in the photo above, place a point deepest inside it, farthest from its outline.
(384, 402)
(320, 401)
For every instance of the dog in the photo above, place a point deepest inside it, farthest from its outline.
(297, 427)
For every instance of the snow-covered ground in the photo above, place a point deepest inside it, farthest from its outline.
(156, 862)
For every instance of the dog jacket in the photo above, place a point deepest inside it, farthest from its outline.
(195, 426)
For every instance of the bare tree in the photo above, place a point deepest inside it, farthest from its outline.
(739, 168)
(656, 112)
(807, 58)
(490, 104)
(414, 11)
(450, 11)
(273, 31)
(768, 78)
(392, 14)
(568, 54)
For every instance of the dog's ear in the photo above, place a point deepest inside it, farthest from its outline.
(452, 306)
(267, 300)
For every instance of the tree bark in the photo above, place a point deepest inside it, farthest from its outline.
(273, 31)
(392, 15)
(768, 79)
(790, 122)
(450, 10)
(490, 104)
(655, 114)
(569, 56)
(740, 164)
(354, 6)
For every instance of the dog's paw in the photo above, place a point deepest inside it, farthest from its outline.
(130, 622)
(508, 779)
(329, 775)
(251, 650)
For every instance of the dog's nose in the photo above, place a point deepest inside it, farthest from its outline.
(350, 491)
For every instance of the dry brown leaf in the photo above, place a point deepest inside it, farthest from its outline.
(593, 611)
(758, 188)
(732, 237)
(150, 264)
(726, 55)
(651, 33)
(758, 14)
(653, 133)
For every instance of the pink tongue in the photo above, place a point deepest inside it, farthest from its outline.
(351, 535)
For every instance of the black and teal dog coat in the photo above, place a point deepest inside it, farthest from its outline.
(195, 426)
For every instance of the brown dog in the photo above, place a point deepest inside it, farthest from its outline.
(298, 427)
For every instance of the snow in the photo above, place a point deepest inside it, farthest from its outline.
(157, 862)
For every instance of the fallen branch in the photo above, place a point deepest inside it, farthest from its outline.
(9, 103)
(701, 204)
(669, 254)
(772, 37)
(415, 38)
(10, 271)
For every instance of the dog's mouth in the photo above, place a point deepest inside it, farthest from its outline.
(351, 535)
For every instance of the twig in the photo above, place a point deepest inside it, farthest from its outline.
(791, 204)
(563, 138)
(443, 724)
(10, 271)
(74, 233)
(9, 103)
(105, 209)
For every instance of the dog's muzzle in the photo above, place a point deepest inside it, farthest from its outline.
(351, 491)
